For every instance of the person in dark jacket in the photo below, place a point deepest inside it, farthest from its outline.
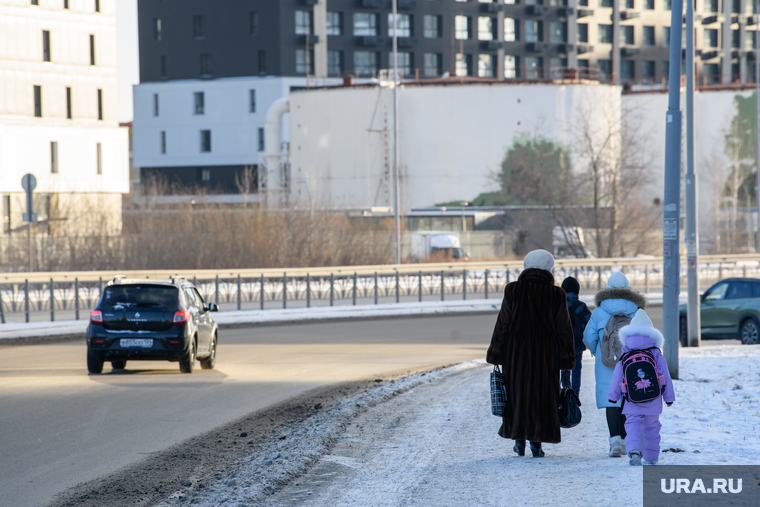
(579, 316)
(532, 341)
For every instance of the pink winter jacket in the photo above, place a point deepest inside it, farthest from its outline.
(639, 338)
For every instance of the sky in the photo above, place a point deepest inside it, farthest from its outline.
(126, 55)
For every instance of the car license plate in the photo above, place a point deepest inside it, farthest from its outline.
(137, 342)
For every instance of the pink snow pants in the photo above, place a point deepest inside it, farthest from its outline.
(643, 431)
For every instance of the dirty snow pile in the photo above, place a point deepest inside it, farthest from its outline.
(433, 441)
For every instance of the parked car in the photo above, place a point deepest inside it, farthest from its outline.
(728, 309)
(151, 320)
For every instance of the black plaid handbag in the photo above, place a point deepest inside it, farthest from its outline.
(498, 392)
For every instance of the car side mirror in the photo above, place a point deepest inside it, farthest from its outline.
(212, 307)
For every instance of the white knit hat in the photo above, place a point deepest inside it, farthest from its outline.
(641, 319)
(618, 281)
(539, 259)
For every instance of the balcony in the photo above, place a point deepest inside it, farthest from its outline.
(628, 15)
(406, 5)
(538, 10)
(492, 8)
(566, 48)
(630, 50)
(492, 45)
(566, 12)
(407, 42)
(585, 48)
(715, 18)
(537, 47)
(372, 41)
(583, 13)
(373, 4)
(709, 55)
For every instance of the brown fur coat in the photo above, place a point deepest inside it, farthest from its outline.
(533, 340)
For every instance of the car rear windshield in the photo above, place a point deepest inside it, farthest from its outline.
(123, 296)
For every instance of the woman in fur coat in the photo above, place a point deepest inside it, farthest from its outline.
(618, 297)
(533, 341)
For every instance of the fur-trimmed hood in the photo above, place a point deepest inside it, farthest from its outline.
(635, 337)
(622, 293)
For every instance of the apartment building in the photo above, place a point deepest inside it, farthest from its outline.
(58, 114)
(210, 71)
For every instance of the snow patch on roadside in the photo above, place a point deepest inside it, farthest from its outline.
(291, 452)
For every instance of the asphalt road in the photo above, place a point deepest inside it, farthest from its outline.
(60, 426)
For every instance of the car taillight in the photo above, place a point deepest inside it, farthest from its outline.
(181, 317)
(96, 317)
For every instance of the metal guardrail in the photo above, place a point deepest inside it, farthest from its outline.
(70, 295)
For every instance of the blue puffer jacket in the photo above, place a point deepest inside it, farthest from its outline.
(608, 303)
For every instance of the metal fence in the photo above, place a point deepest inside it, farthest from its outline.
(69, 296)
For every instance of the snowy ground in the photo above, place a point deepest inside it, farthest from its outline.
(431, 440)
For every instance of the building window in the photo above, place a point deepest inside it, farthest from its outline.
(511, 30)
(335, 64)
(253, 23)
(157, 28)
(712, 73)
(365, 63)
(666, 5)
(666, 36)
(205, 175)
(163, 142)
(750, 40)
(710, 38)
(711, 5)
(626, 35)
(164, 73)
(97, 5)
(35, 2)
(534, 32)
(100, 104)
(155, 104)
(433, 26)
(304, 61)
(65, 4)
(649, 69)
(334, 23)
(533, 67)
(582, 32)
(261, 139)
(68, 102)
(463, 64)
(557, 68)
(205, 141)
(403, 26)
(461, 27)
(199, 100)
(605, 34)
(736, 41)
(583, 64)
(647, 33)
(558, 32)
(6, 214)
(433, 65)
(54, 157)
(486, 65)
(199, 27)
(303, 23)
(605, 3)
(251, 101)
(627, 69)
(649, 5)
(511, 66)
(365, 24)
(92, 50)
(605, 67)
(405, 63)
(46, 45)
(262, 61)
(99, 157)
(207, 65)
(486, 28)
(629, 4)
(37, 101)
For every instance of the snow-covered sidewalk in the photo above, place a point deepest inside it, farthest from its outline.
(437, 443)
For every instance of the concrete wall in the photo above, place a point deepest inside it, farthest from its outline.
(452, 138)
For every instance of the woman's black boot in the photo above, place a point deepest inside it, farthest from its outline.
(535, 448)
(519, 447)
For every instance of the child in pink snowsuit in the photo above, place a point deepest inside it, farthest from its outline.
(642, 423)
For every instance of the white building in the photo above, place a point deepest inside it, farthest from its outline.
(58, 112)
(452, 139)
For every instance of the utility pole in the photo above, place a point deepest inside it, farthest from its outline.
(757, 124)
(692, 228)
(615, 42)
(395, 134)
(672, 198)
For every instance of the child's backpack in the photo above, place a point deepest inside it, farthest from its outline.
(611, 346)
(642, 381)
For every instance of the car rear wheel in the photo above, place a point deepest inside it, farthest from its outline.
(119, 365)
(187, 363)
(94, 363)
(749, 332)
(209, 362)
(683, 332)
